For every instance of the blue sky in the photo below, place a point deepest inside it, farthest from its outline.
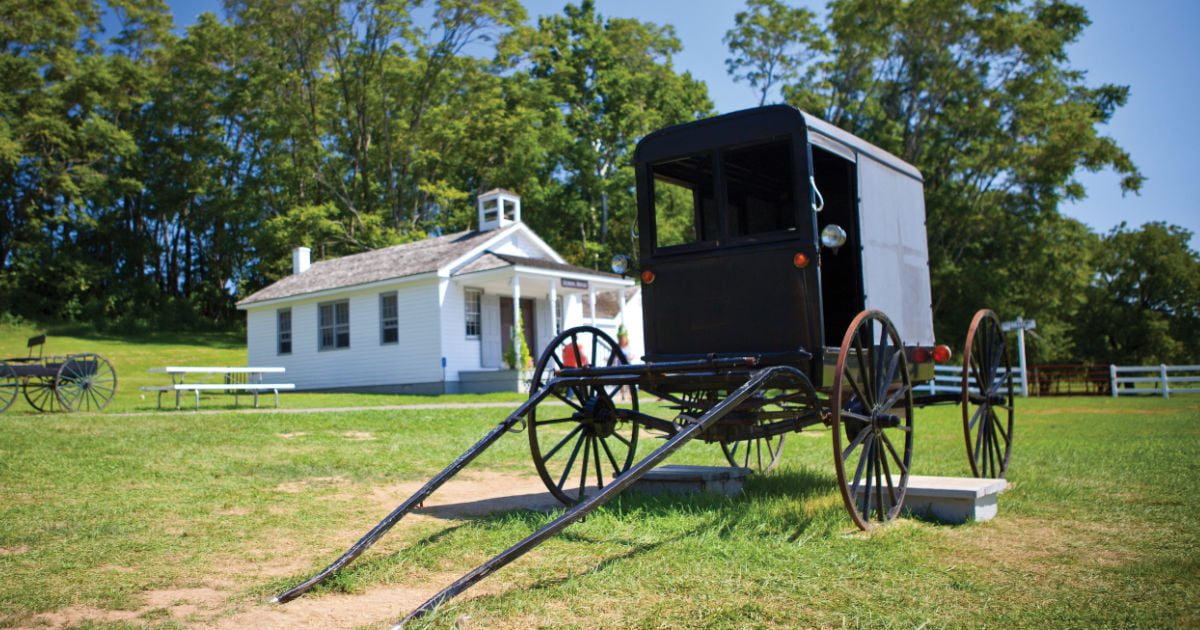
(1154, 47)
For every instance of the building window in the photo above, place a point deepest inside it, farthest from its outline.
(474, 312)
(333, 326)
(283, 326)
(389, 318)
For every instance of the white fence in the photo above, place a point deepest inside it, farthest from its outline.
(1160, 380)
(947, 379)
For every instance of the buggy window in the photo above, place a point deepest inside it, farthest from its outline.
(759, 192)
(685, 206)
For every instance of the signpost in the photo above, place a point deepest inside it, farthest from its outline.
(1020, 325)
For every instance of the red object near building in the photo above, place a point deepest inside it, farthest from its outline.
(573, 356)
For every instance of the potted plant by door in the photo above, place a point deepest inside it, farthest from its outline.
(622, 336)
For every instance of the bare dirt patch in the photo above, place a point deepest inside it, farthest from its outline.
(14, 551)
(358, 435)
(180, 604)
(292, 436)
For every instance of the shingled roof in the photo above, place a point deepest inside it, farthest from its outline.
(398, 261)
(492, 260)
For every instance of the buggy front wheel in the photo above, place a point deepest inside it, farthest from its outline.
(987, 397)
(582, 436)
(10, 385)
(85, 382)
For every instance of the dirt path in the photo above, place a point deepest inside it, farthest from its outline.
(217, 604)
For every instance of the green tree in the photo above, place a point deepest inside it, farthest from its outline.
(610, 82)
(1143, 303)
(981, 97)
(770, 44)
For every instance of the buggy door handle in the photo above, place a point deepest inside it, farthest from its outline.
(820, 205)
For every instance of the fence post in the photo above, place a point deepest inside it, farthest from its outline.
(1162, 375)
(1112, 377)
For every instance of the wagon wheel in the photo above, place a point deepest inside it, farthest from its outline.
(592, 436)
(872, 411)
(40, 391)
(988, 432)
(768, 413)
(10, 383)
(86, 382)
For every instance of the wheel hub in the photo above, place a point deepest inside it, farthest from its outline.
(599, 416)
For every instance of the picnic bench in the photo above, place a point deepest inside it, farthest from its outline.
(237, 381)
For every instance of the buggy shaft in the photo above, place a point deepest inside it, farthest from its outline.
(718, 411)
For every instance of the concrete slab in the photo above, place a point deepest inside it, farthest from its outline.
(953, 499)
(682, 479)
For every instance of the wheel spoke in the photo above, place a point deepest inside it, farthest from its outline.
(890, 377)
(612, 460)
(862, 371)
(570, 462)
(870, 455)
(554, 392)
(859, 439)
(895, 456)
(894, 398)
(879, 485)
(880, 352)
(587, 449)
(887, 471)
(554, 450)
(862, 461)
(975, 416)
(542, 423)
(596, 459)
(858, 392)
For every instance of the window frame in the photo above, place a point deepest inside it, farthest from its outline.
(478, 313)
(280, 332)
(384, 319)
(335, 326)
(725, 237)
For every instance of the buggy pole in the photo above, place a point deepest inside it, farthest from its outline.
(756, 382)
(413, 502)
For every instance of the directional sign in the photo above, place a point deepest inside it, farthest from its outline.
(1019, 324)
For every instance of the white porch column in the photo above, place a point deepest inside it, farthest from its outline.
(592, 302)
(516, 298)
(621, 303)
(554, 306)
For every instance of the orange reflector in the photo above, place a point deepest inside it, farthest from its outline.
(941, 353)
(920, 355)
(648, 277)
(800, 260)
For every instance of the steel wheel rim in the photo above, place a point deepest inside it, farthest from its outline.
(760, 454)
(988, 437)
(10, 384)
(602, 435)
(86, 382)
(871, 420)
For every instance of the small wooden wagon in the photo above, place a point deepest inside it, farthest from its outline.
(75, 382)
(771, 246)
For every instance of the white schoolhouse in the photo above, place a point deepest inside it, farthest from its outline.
(433, 316)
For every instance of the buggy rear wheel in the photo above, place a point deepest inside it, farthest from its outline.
(987, 397)
(86, 382)
(872, 420)
(760, 424)
(590, 434)
(10, 385)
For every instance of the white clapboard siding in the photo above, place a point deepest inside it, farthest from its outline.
(416, 358)
(545, 332)
(462, 353)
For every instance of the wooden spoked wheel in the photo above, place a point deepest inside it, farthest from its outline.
(872, 418)
(86, 382)
(41, 394)
(768, 414)
(987, 397)
(10, 386)
(588, 438)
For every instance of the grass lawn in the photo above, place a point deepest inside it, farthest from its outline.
(183, 520)
(133, 355)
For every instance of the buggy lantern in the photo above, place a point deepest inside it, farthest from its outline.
(833, 236)
(620, 264)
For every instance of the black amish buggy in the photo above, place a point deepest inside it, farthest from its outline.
(75, 382)
(771, 246)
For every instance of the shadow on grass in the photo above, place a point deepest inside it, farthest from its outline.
(772, 505)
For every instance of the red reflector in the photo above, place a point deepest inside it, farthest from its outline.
(920, 355)
(647, 277)
(941, 353)
(800, 260)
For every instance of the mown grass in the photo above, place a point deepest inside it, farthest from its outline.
(1099, 528)
(133, 355)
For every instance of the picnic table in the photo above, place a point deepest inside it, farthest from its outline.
(236, 380)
